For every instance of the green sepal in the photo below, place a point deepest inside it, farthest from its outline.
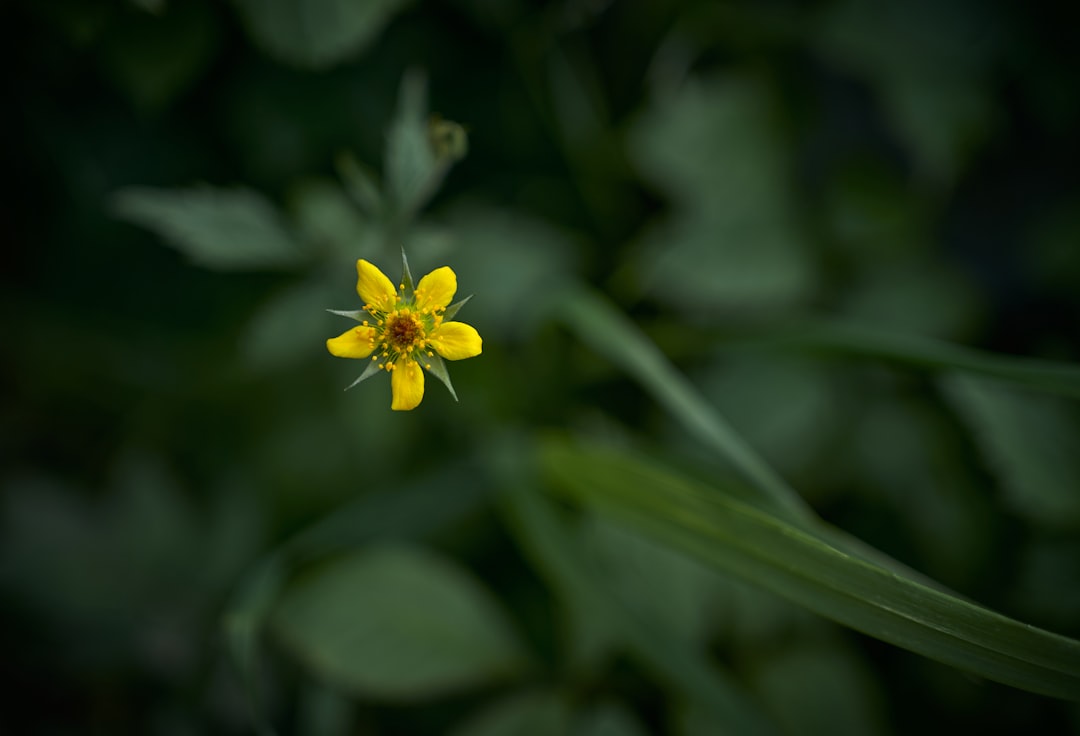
(358, 314)
(453, 308)
(373, 367)
(406, 275)
(437, 367)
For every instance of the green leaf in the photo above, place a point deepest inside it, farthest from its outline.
(223, 229)
(733, 240)
(669, 591)
(608, 719)
(530, 714)
(397, 622)
(406, 512)
(1032, 442)
(436, 366)
(936, 101)
(360, 184)
(772, 553)
(511, 260)
(370, 369)
(290, 328)
(417, 162)
(327, 218)
(315, 34)
(814, 688)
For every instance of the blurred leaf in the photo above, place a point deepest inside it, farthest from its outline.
(1031, 442)
(399, 623)
(608, 719)
(291, 328)
(532, 714)
(733, 240)
(511, 262)
(1053, 258)
(325, 713)
(912, 295)
(908, 461)
(405, 512)
(360, 184)
(1046, 588)
(786, 408)
(768, 551)
(326, 217)
(929, 63)
(229, 230)
(819, 690)
(669, 591)
(416, 161)
(154, 58)
(315, 34)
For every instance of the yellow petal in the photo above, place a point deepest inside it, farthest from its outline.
(436, 289)
(373, 286)
(456, 340)
(407, 383)
(355, 343)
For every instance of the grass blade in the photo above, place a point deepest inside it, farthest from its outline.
(770, 552)
(611, 334)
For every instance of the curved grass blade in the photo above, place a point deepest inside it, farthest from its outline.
(604, 328)
(607, 331)
(553, 549)
(928, 352)
(770, 552)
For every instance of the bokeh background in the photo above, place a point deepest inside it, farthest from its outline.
(188, 185)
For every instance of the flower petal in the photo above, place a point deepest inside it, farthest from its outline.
(373, 286)
(357, 342)
(436, 289)
(407, 383)
(456, 340)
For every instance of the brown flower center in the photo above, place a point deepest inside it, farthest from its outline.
(403, 331)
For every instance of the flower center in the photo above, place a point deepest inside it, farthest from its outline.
(403, 332)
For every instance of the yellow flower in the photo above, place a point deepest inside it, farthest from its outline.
(406, 328)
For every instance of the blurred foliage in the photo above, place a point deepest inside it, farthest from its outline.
(806, 270)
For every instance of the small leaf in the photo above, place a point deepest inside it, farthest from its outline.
(358, 314)
(532, 714)
(225, 229)
(370, 370)
(360, 184)
(315, 34)
(399, 623)
(452, 310)
(814, 688)
(1033, 443)
(437, 367)
(287, 328)
(412, 170)
(608, 719)
(406, 275)
(733, 240)
(327, 218)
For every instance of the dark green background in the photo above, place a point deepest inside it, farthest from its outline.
(720, 170)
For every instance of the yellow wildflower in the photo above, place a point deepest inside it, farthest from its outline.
(406, 328)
